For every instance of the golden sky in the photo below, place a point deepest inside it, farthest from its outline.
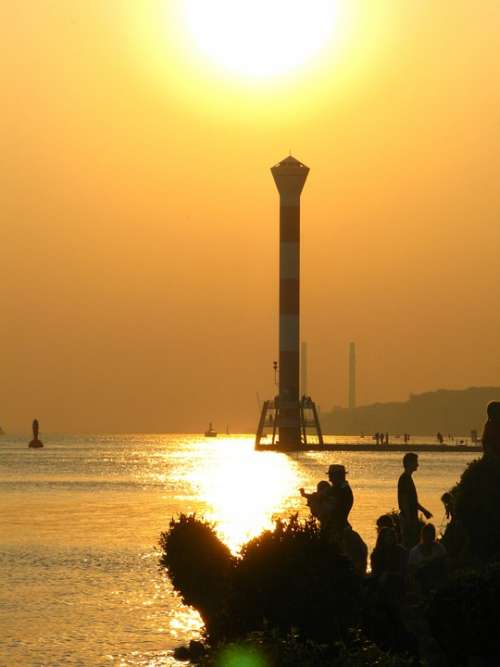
(139, 243)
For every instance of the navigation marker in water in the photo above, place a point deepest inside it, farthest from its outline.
(35, 443)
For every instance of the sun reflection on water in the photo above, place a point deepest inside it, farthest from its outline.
(185, 621)
(243, 490)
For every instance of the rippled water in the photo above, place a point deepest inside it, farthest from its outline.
(80, 521)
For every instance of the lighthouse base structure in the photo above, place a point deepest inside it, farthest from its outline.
(288, 427)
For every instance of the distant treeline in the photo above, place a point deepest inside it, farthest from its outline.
(454, 412)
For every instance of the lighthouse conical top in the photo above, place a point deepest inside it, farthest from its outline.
(290, 175)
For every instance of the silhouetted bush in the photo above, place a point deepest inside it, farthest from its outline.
(289, 577)
(463, 615)
(270, 649)
(474, 532)
(294, 576)
(199, 565)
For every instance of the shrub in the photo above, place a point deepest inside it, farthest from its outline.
(289, 577)
(199, 565)
(270, 649)
(475, 526)
(294, 576)
(463, 615)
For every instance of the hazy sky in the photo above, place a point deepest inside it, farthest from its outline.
(139, 229)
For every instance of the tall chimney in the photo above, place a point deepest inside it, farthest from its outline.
(352, 375)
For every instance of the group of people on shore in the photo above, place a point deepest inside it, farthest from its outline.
(383, 438)
(407, 546)
(404, 544)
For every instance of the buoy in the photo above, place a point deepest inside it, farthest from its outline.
(35, 443)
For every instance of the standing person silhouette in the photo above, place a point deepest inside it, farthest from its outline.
(408, 502)
(342, 497)
(491, 433)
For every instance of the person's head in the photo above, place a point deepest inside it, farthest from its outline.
(336, 473)
(447, 500)
(322, 487)
(386, 538)
(410, 462)
(493, 411)
(428, 534)
(384, 521)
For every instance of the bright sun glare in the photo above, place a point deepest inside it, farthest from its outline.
(261, 38)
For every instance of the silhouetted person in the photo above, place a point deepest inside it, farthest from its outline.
(386, 438)
(320, 502)
(390, 521)
(388, 556)
(349, 541)
(342, 497)
(377, 437)
(491, 432)
(455, 538)
(449, 505)
(353, 546)
(439, 437)
(386, 588)
(408, 502)
(427, 560)
(384, 521)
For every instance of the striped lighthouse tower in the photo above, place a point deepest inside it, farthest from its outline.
(288, 416)
(289, 176)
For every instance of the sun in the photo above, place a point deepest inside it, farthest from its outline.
(260, 39)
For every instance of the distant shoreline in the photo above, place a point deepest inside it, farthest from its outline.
(445, 410)
(361, 447)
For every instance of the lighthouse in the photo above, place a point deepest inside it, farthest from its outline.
(287, 413)
(289, 176)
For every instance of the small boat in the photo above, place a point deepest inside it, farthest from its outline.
(210, 433)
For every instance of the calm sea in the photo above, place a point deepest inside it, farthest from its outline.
(80, 521)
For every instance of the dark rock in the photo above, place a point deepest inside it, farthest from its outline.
(196, 650)
(182, 653)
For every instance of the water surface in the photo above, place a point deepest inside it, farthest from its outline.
(80, 521)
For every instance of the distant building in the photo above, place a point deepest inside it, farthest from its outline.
(352, 376)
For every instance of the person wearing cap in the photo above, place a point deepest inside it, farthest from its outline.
(409, 506)
(342, 497)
